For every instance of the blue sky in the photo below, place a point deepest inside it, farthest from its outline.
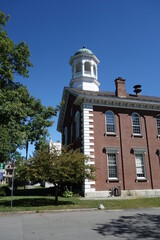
(123, 34)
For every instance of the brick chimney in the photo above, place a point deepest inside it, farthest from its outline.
(120, 87)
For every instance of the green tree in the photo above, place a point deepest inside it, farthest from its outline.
(12, 119)
(23, 119)
(14, 58)
(22, 172)
(39, 118)
(69, 167)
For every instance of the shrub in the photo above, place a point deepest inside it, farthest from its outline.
(5, 191)
(67, 194)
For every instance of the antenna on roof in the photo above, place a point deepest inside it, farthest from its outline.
(137, 89)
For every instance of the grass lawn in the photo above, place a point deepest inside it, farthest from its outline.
(39, 204)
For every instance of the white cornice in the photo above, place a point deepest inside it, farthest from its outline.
(62, 112)
(104, 101)
(85, 79)
(118, 102)
(91, 56)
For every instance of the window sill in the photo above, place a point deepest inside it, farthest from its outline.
(141, 180)
(137, 135)
(112, 180)
(110, 134)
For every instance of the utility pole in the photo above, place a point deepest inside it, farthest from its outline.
(13, 165)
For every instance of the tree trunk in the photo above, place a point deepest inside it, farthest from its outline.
(27, 149)
(56, 194)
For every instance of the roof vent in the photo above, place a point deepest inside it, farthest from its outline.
(137, 89)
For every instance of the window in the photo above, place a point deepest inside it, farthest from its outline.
(158, 124)
(77, 121)
(112, 162)
(87, 67)
(112, 165)
(94, 70)
(65, 136)
(139, 154)
(136, 126)
(78, 67)
(140, 168)
(110, 123)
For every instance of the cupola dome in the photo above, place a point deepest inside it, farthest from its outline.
(84, 50)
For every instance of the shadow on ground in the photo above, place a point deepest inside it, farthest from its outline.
(138, 226)
(35, 202)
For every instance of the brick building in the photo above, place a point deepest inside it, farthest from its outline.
(120, 132)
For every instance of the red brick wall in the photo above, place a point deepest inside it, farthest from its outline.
(154, 144)
(126, 142)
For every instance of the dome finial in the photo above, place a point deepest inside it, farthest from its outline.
(84, 46)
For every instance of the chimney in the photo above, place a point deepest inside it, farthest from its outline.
(120, 87)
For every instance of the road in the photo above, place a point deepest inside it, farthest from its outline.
(82, 225)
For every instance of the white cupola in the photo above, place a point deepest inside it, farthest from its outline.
(84, 70)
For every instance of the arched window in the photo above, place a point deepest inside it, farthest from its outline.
(78, 67)
(110, 122)
(87, 67)
(136, 124)
(65, 136)
(77, 121)
(158, 124)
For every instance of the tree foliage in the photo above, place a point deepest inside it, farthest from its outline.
(14, 58)
(22, 172)
(66, 168)
(23, 119)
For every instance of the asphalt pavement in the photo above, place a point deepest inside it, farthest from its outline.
(82, 225)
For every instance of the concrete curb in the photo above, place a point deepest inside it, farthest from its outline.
(48, 211)
(67, 210)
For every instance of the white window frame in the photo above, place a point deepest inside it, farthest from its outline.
(136, 125)
(78, 67)
(77, 122)
(158, 125)
(111, 124)
(142, 152)
(114, 151)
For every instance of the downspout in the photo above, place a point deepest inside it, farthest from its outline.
(121, 147)
(148, 152)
